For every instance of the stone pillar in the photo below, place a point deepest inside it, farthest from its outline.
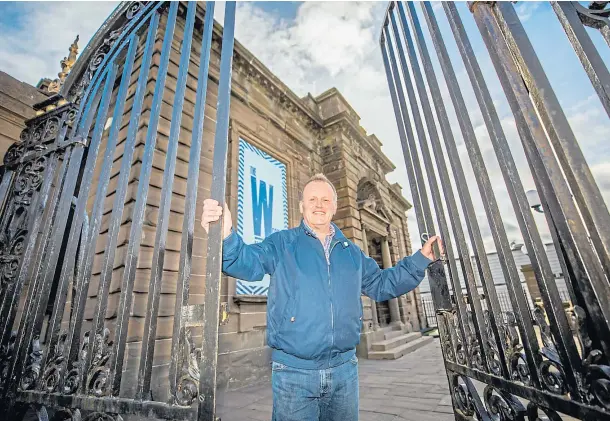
(531, 282)
(365, 249)
(387, 263)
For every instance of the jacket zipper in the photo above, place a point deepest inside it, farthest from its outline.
(332, 313)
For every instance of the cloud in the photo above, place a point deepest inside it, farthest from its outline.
(32, 46)
(333, 44)
(525, 10)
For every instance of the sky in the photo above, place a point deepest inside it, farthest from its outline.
(313, 46)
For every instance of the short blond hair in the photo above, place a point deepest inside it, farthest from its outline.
(320, 177)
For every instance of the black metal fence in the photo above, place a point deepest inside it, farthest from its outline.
(556, 362)
(64, 205)
(503, 299)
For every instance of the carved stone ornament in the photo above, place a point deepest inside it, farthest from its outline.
(66, 65)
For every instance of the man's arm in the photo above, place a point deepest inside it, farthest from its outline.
(249, 262)
(239, 260)
(382, 285)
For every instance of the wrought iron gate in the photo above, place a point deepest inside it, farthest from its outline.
(555, 362)
(68, 209)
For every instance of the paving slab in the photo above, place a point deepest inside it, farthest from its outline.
(411, 388)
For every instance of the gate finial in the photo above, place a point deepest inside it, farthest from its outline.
(66, 65)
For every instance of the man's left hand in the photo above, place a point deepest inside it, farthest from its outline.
(428, 251)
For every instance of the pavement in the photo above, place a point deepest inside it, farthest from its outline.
(411, 388)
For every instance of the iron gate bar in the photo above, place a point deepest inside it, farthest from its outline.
(476, 238)
(137, 216)
(427, 224)
(544, 275)
(44, 359)
(588, 196)
(585, 50)
(541, 398)
(125, 298)
(87, 175)
(462, 248)
(560, 377)
(552, 301)
(178, 360)
(595, 17)
(412, 148)
(481, 176)
(38, 295)
(80, 227)
(154, 289)
(61, 295)
(209, 360)
(97, 76)
(436, 274)
(8, 306)
(518, 299)
(7, 179)
(440, 292)
(554, 192)
(95, 219)
(417, 199)
(114, 405)
(597, 290)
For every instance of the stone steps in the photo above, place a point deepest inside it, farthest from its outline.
(392, 334)
(389, 329)
(395, 341)
(401, 350)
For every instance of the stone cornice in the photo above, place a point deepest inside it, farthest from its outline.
(245, 63)
(335, 92)
(397, 195)
(342, 123)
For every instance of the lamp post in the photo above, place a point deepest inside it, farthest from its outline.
(534, 200)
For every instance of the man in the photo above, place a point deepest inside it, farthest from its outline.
(314, 310)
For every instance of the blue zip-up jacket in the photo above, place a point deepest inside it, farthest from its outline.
(314, 310)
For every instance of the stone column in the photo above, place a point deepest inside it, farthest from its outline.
(365, 249)
(387, 263)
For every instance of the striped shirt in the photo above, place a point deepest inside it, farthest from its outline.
(327, 241)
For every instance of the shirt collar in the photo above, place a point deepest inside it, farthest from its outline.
(312, 232)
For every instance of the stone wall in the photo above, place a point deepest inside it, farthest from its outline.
(16, 106)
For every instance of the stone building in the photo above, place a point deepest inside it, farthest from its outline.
(304, 135)
(17, 100)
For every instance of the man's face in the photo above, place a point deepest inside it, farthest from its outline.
(318, 205)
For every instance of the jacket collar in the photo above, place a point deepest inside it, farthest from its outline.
(339, 236)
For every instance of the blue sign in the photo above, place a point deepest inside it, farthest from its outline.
(262, 203)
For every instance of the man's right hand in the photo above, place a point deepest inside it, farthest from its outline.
(212, 212)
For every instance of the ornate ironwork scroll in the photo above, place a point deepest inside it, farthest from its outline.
(32, 369)
(96, 59)
(551, 370)
(187, 388)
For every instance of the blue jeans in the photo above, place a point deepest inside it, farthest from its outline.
(315, 395)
